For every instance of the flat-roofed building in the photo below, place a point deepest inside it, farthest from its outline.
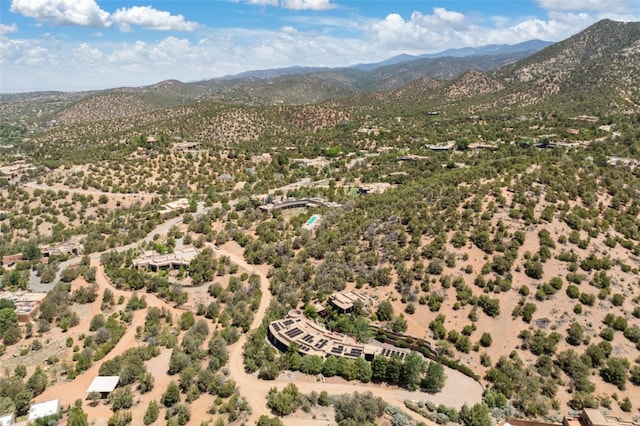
(73, 246)
(44, 409)
(186, 146)
(173, 206)
(104, 385)
(26, 303)
(345, 301)
(154, 261)
(6, 420)
(441, 147)
(595, 417)
(314, 339)
(11, 259)
(290, 203)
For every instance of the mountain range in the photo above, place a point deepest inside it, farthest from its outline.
(596, 68)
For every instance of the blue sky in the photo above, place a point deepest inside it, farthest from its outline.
(94, 44)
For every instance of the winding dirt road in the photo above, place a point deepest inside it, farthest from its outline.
(459, 389)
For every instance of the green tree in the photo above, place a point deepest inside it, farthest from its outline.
(399, 324)
(331, 366)
(393, 370)
(203, 267)
(183, 413)
(478, 415)
(385, 311)
(634, 376)
(187, 320)
(412, 369)
(171, 396)
(120, 418)
(8, 319)
(363, 370)
(22, 401)
(359, 408)
(266, 421)
(96, 322)
(615, 372)
(121, 398)
(573, 291)
(11, 335)
(178, 361)
(77, 417)
(533, 269)
(575, 333)
(6, 405)
(311, 364)
(94, 398)
(31, 252)
(37, 383)
(486, 340)
(286, 401)
(146, 382)
(435, 377)
(379, 368)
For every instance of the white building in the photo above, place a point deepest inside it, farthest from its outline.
(44, 409)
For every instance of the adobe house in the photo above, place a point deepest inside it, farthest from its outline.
(11, 259)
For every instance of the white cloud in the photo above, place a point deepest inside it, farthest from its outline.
(26, 54)
(263, 2)
(448, 16)
(85, 13)
(308, 4)
(5, 29)
(86, 54)
(150, 18)
(293, 4)
(444, 29)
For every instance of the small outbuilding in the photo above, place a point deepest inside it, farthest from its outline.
(44, 409)
(104, 385)
(6, 420)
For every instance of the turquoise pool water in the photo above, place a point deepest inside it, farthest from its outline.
(312, 220)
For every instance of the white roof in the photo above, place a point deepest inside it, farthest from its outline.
(103, 384)
(6, 420)
(44, 409)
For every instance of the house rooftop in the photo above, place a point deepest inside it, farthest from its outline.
(44, 409)
(6, 419)
(314, 339)
(178, 258)
(103, 384)
(347, 299)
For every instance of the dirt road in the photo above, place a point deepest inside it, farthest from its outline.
(459, 389)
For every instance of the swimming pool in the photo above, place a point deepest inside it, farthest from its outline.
(312, 220)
